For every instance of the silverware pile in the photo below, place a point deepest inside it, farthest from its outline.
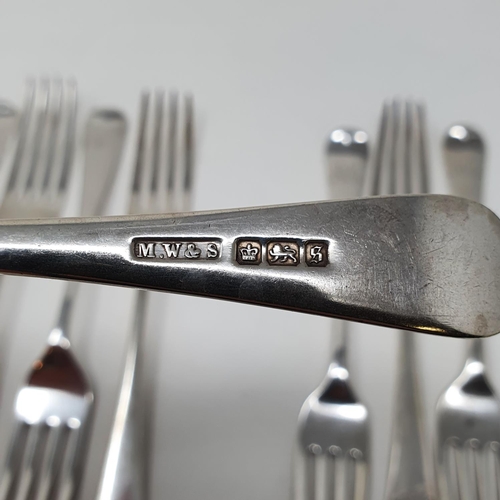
(332, 456)
(399, 258)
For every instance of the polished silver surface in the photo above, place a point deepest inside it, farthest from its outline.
(164, 155)
(332, 458)
(402, 165)
(424, 263)
(468, 412)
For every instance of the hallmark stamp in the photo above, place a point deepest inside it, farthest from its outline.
(283, 253)
(249, 252)
(316, 253)
(169, 250)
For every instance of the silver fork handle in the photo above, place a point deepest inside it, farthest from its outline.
(409, 468)
(127, 455)
(380, 268)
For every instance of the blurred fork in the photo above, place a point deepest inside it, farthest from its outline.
(53, 408)
(37, 185)
(162, 182)
(468, 412)
(333, 430)
(401, 168)
(41, 162)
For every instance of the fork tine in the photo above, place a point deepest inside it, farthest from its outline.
(417, 154)
(311, 480)
(46, 125)
(24, 129)
(385, 182)
(140, 155)
(474, 467)
(452, 464)
(67, 135)
(39, 124)
(41, 482)
(46, 158)
(68, 476)
(188, 151)
(360, 479)
(495, 469)
(36, 470)
(141, 143)
(21, 485)
(331, 471)
(172, 151)
(56, 463)
(402, 148)
(11, 478)
(157, 130)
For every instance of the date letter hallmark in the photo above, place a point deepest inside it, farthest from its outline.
(175, 250)
(316, 253)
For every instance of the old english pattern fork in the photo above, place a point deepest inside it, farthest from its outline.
(401, 168)
(468, 412)
(162, 182)
(37, 185)
(53, 408)
(332, 456)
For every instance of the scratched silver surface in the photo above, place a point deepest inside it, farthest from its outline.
(423, 263)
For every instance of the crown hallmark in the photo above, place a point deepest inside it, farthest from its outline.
(249, 252)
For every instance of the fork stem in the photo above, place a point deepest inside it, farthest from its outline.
(408, 472)
(475, 350)
(66, 311)
(338, 341)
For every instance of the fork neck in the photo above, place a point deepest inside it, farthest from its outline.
(66, 312)
(475, 350)
(339, 343)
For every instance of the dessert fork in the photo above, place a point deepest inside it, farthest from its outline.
(53, 408)
(37, 186)
(468, 412)
(402, 168)
(162, 183)
(333, 429)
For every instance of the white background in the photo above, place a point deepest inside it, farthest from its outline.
(270, 79)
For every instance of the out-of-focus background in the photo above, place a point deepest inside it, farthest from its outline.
(270, 79)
